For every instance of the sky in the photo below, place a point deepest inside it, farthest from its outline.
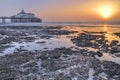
(65, 10)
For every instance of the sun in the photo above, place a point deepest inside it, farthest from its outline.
(106, 11)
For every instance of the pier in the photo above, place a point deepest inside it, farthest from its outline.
(12, 18)
(3, 19)
(21, 17)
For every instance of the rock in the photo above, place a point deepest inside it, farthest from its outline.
(99, 54)
(117, 34)
(112, 69)
(55, 55)
(89, 40)
(44, 56)
(31, 64)
(62, 77)
(114, 43)
(42, 42)
(114, 50)
(92, 53)
(59, 32)
(8, 73)
(45, 63)
(97, 66)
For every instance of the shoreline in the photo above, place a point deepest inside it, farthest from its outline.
(57, 52)
(59, 24)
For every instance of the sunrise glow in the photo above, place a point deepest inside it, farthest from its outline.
(66, 10)
(106, 11)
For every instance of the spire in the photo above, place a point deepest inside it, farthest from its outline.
(22, 11)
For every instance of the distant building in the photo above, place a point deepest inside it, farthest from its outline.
(23, 17)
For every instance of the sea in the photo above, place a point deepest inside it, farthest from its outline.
(64, 40)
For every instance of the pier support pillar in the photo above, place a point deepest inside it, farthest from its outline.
(3, 20)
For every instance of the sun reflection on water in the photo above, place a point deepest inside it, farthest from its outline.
(110, 34)
(105, 27)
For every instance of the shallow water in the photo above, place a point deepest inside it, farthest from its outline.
(64, 40)
(40, 45)
(109, 36)
(108, 57)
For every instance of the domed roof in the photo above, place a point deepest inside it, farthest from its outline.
(22, 11)
(23, 14)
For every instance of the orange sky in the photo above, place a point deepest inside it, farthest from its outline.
(65, 10)
(80, 10)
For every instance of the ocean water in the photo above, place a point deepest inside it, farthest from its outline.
(65, 40)
(60, 23)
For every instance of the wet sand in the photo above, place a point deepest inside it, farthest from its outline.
(59, 53)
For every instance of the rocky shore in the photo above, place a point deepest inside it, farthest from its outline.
(118, 34)
(71, 63)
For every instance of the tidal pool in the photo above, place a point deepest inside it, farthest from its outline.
(59, 41)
